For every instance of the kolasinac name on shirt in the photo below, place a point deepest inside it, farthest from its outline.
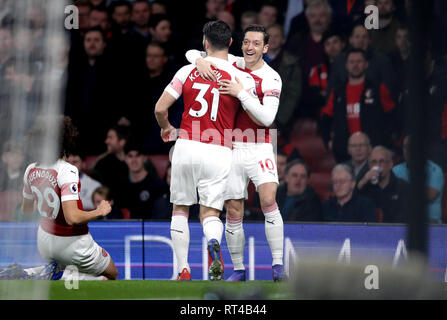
(226, 309)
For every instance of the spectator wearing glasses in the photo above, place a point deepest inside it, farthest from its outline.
(346, 205)
(382, 186)
(359, 148)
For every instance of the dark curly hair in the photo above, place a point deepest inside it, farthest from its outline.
(68, 136)
(41, 143)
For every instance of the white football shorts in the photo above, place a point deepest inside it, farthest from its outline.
(251, 161)
(80, 251)
(199, 168)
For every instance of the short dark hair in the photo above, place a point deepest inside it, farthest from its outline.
(332, 33)
(78, 151)
(218, 34)
(277, 25)
(97, 29)
(281, 153)
(268, 3)
(257, 28)
(158, 45)
(156, 19)
(100, 9)
(122, 132)
(83, 3)
(356, 26)
(297, 162)
(354, 50)
(68, 134)
(134, 145)
(142, 1)
(120, 3)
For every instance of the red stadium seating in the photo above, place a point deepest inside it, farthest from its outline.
(89, 162)
(323, 164)
(320, 182)
(305, 127)
(160, 162)
(251, 191)
(310, 147)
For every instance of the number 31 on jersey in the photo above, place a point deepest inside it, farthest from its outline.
(203, 88)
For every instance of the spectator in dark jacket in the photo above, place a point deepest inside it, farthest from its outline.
(288, 67)
(382, 186)
(347, 206)
(139, 191)
(110, 167)
(316, 95)
(297, 200)
(380, 69)
(382, 39)
(359, 148)
(357, 105)
(91, 93)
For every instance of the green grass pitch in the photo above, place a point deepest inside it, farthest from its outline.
(142, 289)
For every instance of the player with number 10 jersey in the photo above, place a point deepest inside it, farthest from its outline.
(205, 137)
(202, 156)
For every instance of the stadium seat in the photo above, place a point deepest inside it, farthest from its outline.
(251, 192)
(160, 162)
(89, 162)
(324, 164)
(310, 147)
(305, 127)
(9, 203)
(321, 182)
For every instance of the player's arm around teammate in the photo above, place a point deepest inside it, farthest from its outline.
(261, 116)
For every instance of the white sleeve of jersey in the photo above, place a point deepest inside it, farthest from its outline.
(240, 61)
(175, 87)
(265, 113)
(27, 193)
(68, 181)
(192, 55)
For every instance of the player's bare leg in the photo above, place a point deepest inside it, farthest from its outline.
(180, 239)
(213, 230)
(234, 234)
(274, 227)
(111, 271)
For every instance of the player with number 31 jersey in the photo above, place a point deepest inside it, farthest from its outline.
(253, 156)
(202, 156)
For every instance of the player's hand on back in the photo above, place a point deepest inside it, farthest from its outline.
(205, 69)
(168, 134)
(104, 208)
(230, 88)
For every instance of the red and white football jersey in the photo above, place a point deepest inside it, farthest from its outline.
(268, 88)
(208, 114)
(50, 186)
